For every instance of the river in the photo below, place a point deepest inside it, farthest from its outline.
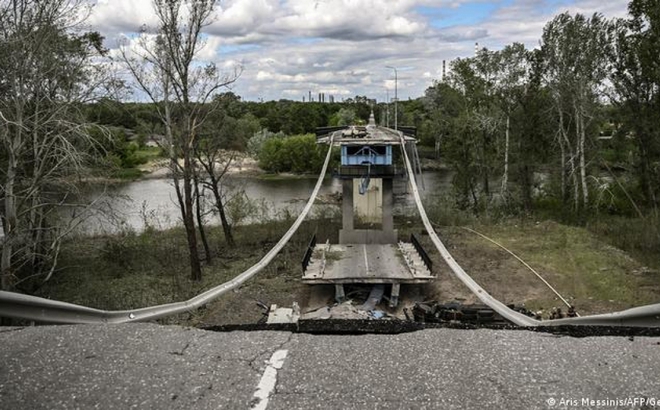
(153, 201)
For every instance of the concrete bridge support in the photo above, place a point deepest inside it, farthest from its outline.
(386, 234)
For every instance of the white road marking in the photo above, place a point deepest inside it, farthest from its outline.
(269, 379)
(366, 260)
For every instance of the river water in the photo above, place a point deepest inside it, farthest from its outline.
(153, 201)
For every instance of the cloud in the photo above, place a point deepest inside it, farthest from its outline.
(523, 20)
(241, 18)
(341, 47)
(111, 17)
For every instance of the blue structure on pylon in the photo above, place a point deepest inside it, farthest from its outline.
(366, 155)
(368, 250)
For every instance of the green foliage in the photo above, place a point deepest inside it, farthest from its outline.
(113, 113)
(639, 236)
(256, 143)
(636, 79)
(345, 116)
(297, 154)
(127, 154)
(122, 156)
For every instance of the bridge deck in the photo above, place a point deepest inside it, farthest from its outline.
(365, 136)
(360, 263)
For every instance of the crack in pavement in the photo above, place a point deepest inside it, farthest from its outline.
(182, 351)
(268, 352)
(268, 381)
(12, 329)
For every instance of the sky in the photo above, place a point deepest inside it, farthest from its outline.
(287, 48)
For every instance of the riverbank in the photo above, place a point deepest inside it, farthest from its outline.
(137, 270)
(246, 166)
(242, 164)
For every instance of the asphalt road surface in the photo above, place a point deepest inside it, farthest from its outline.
(147, 366)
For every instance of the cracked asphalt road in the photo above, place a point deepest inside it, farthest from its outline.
(148, 366)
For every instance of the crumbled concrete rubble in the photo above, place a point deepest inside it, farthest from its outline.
(435, 312)
(345, 310)
(283, 315)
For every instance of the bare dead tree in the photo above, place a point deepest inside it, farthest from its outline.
(216, 163)
(164, 67)
(199, 214)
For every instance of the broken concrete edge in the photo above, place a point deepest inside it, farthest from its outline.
(362, 326)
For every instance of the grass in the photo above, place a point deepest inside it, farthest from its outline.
(640, 237)
(591, 274)
(609, 263)
(127, 173)
(137, 270)
(576, 262)
(146, 154)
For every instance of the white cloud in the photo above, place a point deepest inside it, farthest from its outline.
(110, 16)
(209, 50)
(341, 47)
(242, 17)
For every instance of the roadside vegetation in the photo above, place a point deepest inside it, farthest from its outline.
(132, 270)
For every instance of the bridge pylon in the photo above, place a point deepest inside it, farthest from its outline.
(369, 250)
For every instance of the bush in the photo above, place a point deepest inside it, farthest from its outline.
(298, 154)
(256, 142)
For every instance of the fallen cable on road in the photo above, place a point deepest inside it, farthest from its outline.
(21, 306)
(514, 317)
(646, 316)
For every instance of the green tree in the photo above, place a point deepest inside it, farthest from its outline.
(575, 51)
(531, 127)
(179, 88)
(636, 80)
(477, 122)
(511, 82)
(443, 104)
(298, 154)
(345, 116)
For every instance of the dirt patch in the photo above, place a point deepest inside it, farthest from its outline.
(495, 270)
(241, 165)
(241, 307)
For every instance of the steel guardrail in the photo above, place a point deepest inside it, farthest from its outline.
(645, 316)
(29, 307)
(422, 253)
(308, 253)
